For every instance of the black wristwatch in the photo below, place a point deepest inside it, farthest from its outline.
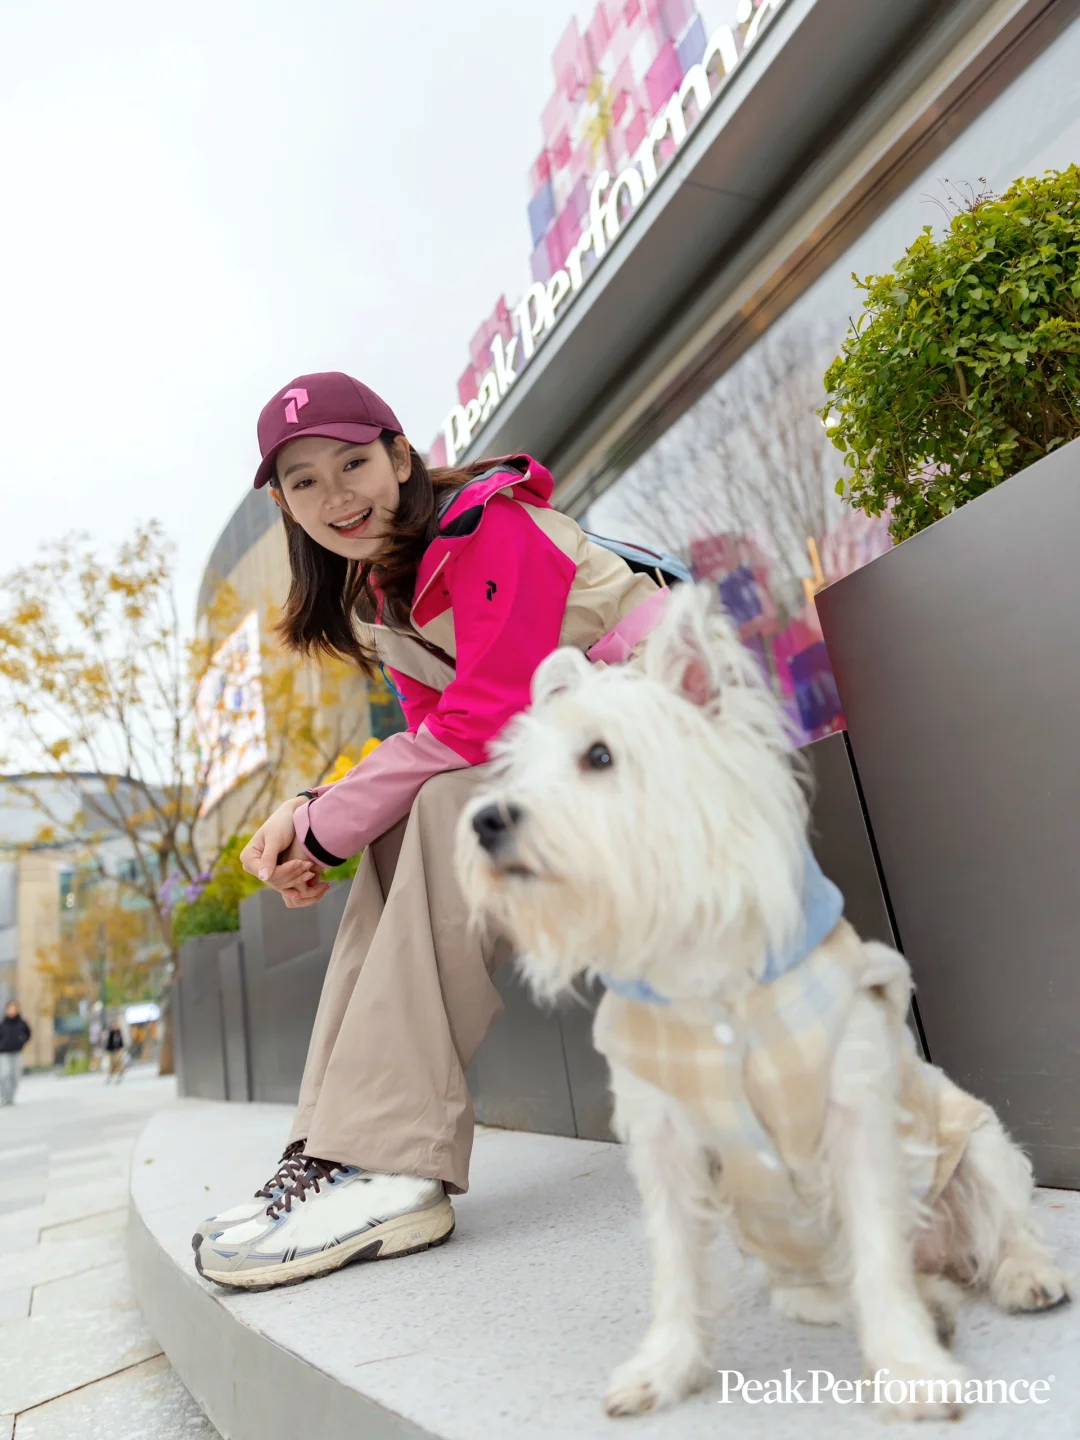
(306, 795)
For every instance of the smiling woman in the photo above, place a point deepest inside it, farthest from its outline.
(457, 583)
(322, 488)
(347, 504)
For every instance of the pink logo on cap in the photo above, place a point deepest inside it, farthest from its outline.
(297, 400)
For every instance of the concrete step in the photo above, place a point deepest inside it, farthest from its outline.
(511, 1329)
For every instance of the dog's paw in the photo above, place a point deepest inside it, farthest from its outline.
(810, 1304)
(943, 1299)
(933, 1388)
(650, 1381)
(630, 1395)
(1028, 1282)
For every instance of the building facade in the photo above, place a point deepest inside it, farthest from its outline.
(672, 381)
(30, 902)
(38, 896)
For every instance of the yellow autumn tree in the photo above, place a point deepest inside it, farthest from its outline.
(105, 691)
(105, 951)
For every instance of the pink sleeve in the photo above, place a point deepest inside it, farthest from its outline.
(418, 702)
(372, 797)
(508, 589)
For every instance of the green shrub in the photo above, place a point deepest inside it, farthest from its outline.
(965, 364)
(216, 908)
(345, 871)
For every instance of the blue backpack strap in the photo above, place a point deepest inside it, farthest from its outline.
(657, 563)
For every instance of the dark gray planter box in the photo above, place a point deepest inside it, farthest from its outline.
(234, 1020)
(285, 955)
(246, 1001)
(199, 1036)
(957, 657)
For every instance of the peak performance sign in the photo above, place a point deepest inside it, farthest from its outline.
(611, 205)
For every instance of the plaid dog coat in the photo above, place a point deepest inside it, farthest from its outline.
(755, 1075)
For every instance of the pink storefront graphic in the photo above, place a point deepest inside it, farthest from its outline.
(611, 82)
(790, 648)
(613, 79)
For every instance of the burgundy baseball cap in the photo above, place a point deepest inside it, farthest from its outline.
(331, 404)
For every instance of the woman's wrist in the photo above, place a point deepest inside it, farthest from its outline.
(293, 804)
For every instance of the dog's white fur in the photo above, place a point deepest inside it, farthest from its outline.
(680, 864)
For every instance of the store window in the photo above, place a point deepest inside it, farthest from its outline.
(743, 484)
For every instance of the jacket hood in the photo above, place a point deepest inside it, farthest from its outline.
(518, 476)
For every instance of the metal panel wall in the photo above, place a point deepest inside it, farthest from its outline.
(234, 1021)
(286, 953)
(199, 1030)
(841, 840)
(538, 1070)
(518, 1078)
(957, 657)
(586, 1068)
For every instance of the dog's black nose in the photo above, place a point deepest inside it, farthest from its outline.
(493, 825)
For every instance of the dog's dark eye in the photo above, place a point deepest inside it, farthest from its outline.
(597, 757)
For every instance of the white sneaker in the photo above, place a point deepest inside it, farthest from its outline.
(293, 1164)
(330, 1216)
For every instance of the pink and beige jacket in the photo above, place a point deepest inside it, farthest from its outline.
(507, 580)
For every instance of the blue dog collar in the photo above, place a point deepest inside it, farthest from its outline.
(638, 990)
(823, 909)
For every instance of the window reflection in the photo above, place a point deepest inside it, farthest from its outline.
(743, 485)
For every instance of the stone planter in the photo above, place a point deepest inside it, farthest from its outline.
(957, 657)
(246, 1000)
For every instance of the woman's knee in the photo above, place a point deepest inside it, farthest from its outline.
(447, 793)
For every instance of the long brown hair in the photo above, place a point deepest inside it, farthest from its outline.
(327, 591)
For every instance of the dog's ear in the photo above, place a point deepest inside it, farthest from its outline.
(696, 652)
(562, 670)
(692, 649)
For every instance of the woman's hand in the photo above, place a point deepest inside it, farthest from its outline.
(273, 854)
(309, 889)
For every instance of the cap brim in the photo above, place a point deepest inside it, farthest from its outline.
(356, 434)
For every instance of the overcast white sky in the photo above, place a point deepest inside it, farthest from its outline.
(203, 200)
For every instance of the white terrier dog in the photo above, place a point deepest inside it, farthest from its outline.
(646, 825)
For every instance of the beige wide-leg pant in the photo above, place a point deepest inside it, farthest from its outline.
(406, 1001)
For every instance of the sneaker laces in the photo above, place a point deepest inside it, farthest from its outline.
(293, 1164)
(313, 1175)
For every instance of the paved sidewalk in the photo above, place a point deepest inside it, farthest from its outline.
(76, 1357)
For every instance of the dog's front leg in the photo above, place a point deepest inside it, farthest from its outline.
(671, 1167)
(896, 1331)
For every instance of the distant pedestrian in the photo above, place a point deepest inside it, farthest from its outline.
(14, 1033)
(114, 1049)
